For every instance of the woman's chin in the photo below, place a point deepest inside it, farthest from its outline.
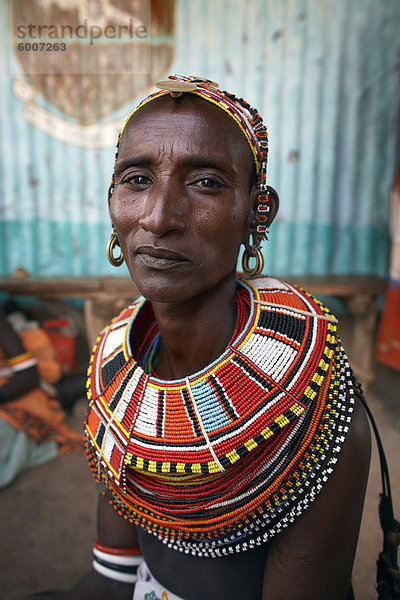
(162, 292)
(178, 286)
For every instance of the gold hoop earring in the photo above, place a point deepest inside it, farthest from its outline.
(259, 262)
(116, 261)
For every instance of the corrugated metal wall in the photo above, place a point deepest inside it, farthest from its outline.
(321, 72)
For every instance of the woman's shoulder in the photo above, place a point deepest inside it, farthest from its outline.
(286, 299)
(266, 284)
(269, 284)
(110, 346)
(119, 322)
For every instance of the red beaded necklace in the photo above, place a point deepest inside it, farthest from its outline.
(223, 459)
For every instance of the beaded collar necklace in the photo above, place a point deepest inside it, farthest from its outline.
(223, 459)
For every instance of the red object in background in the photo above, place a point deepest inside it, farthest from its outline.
(62, 337)
(388, 345)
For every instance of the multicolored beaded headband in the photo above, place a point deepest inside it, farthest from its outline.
(244, 115)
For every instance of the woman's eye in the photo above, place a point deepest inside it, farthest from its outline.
(136, 180)
(208, 183)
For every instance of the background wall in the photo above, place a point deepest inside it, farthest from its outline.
(321, 72)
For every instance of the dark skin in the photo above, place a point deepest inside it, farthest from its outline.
(184, 202)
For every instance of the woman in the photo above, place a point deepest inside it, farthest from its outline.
(223, 426)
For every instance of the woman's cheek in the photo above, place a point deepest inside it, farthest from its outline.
(123, 210)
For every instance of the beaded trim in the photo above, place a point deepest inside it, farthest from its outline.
(275, 401)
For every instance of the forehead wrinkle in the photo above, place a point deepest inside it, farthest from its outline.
(143, 158)
(165, 112)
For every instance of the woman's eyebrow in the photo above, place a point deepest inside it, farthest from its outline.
(209, 162)
(133, 161)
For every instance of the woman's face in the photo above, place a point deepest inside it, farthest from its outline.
(182, 203)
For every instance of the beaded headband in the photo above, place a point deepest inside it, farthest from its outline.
(244, 115)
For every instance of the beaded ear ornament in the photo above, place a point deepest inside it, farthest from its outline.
(245, 116)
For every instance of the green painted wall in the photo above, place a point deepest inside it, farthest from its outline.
(321, 72)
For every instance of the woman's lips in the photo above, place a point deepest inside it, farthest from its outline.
(159, 258)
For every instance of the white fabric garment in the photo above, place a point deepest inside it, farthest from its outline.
(148, 588)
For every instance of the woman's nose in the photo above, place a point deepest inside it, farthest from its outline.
(163, 209)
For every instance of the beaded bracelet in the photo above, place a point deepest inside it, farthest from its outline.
(120, 564)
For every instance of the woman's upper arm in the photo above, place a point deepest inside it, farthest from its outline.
(112, 530)
(313, 558)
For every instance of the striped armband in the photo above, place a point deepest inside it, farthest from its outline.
(120, 564)
(22, 361)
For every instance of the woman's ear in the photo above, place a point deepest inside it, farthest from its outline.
(273, 205)
(251, 221)
(252, 217)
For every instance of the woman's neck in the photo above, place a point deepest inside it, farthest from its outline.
(196, 332)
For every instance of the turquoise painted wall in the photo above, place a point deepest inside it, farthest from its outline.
(321, 72)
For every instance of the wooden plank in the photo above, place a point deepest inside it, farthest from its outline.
(55, 287)
(341, 285)
(121, 285)
(58, 287)
(106, 296)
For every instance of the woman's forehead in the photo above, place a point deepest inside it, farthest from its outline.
(190, 117)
